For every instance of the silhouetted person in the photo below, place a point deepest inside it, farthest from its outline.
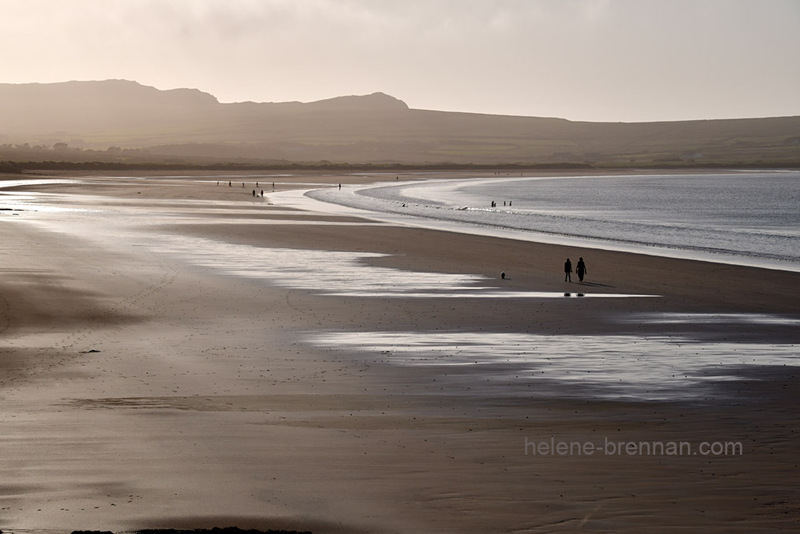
(580, 269)
(254, 193)
(568, 271)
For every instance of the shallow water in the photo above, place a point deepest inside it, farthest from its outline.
(339, 273)
(714, 318)
(629, 367)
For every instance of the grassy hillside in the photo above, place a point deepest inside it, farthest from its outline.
(123, 121)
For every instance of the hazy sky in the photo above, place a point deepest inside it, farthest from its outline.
(596, 60)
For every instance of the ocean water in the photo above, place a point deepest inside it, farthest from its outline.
(750, 218)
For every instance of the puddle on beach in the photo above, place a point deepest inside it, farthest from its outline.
(338, 273)
(713, 318)
(487, 293)
(329, 272)
(612, 366)
(23, 201)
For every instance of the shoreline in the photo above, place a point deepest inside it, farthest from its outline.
(395, 215)
(159, 370)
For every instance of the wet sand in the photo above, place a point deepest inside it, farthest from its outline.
(175, 354)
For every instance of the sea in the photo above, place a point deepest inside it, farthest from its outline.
(746, 218)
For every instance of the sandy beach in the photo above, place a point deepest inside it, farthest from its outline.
(179, 353)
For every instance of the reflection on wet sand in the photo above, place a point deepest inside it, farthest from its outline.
(340, 273)
(602, 366)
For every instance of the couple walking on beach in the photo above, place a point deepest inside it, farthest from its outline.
(580, 270)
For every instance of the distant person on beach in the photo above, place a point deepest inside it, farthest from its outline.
(580, 269)
(568, 271)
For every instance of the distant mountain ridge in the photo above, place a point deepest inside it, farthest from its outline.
(120, 117)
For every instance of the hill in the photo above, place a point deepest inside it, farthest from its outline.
(118, 120)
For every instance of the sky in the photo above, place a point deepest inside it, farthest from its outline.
(584, 60)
